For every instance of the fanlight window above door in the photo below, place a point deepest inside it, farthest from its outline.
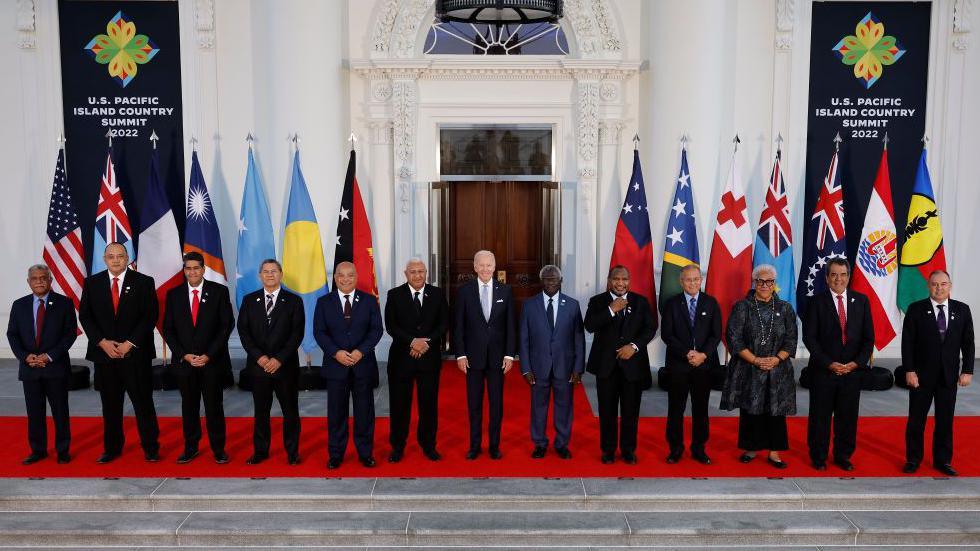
(460, 38)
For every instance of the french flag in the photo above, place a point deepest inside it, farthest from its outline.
(159, 252)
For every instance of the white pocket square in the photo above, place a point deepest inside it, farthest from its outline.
(500, 300)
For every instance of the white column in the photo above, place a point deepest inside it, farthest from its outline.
(586, 148)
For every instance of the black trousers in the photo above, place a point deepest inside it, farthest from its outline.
(696, 382)
(116, 380)
(286, 389)
(339, 394)
(426, 385)
(920, 400)
(542, 391)
(491, 378)
(207, 383)
(837, 397)
(38, 394)
(762, 432)
(619, 400)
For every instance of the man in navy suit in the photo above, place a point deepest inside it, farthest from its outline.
(347, 326)
(839, 334)
(40, 331)
(485, 343)
(691, 329)
(552, 350)
(938, 351)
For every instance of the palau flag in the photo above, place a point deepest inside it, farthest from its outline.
(304, 269)
(633, 247)
(256, 241)
(201, 231)
(774, 238)
(923, 252)
(111, 219)
(681, 242)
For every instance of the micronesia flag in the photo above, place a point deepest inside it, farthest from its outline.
(201, 230)
(633, 247)
(111, 219)
(304, 269)
(774, 238)
(824, 237)
(256, 241)
(681, 241)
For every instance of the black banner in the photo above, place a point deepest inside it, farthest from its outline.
(120, 72)
(868, 77)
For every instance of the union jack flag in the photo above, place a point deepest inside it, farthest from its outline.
(111, 220)
(825, 238)
(63, 250)
(774, 238)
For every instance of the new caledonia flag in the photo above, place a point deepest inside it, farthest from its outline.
(681, 241)
(923, 251)
(633, 247)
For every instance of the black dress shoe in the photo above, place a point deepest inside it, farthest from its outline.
(778, 463)
(334, 463)
(293, 459)
(608, 458)
(629, 458)
(844, 464)
(151, 457)
(538, 452)
(63, 458)
(820, 465)
(368, 462)
(701, 458)
(432, 455)
(910, 467)
(221, 458)
(255, 459)
(495, 453)
(674, 457)
(563, 453)
(187, 456)
(473, 454)
(33, 458)
(947, 470)
(106, 458)
(395, 456)
(746, 457)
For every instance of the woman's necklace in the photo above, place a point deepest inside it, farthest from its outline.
(772, 318)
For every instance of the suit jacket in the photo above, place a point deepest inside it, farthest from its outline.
(544, 351)
(678, 335)
(936, 360)
(133, 322)
(636, 326)
(277, 336)
(215, 320)
(484, 342)
(333, 333)
(404, 324)
(57, 335)
(821, 331)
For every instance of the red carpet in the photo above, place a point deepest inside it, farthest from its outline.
(880, 448)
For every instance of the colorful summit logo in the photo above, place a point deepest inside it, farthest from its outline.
(121, 49)
(869, 49)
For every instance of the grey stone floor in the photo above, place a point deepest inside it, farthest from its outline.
(892, 402)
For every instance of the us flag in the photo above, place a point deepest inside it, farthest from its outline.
(63, 251)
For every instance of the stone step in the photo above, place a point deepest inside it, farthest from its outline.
(491, 529)
(486, 495)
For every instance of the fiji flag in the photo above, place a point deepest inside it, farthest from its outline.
(774, 239)
(824, 238)
(255, 238)
(633, 247)
(303, 267)
(681, 242)
(111, 219)
(201, 231)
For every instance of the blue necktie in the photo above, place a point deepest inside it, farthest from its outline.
(551, 314)
(692, 309)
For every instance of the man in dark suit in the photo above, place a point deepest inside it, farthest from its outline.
(552, 350)
(691, 330)
(416, 317)
(347, 326)
(485, 343)
(197, 322)
(271, 322)
(623, 325)
(938, 351)
(40, 331)
(118, 310)
(839, 333)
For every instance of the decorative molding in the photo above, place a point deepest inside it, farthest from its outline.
(381, 90)
(785, 15)
(607, 28)
(381, 37)
(204, 19)
(492, 69)
(586, 185)
(962, 15)
(381, 132)
(610, 130)
(408, 27)
(583, 25)
(404, 105)
(609, 91)
(26, 25)
(784, 41)
(961, 43)
(588, 120)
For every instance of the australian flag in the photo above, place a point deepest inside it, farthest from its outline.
(633, 247)
(825, 237)
(774, 239)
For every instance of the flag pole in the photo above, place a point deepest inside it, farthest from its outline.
(193, 143)
(154, 138)
(108, 134)
(925, 141)
(837, 141)
(352, 139)
(885, 140)
(295, 140)
(779, 143)
(636, 142)
(249, 139)
(684, 140)
(736, 141)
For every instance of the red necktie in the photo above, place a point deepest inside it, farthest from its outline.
(39, 324)
(115, 295)
(195, 305)
(842, 314)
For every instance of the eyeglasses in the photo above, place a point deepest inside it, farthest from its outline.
(765, 282)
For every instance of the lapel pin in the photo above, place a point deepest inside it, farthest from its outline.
(258, 299)
(704, 313)
(852, 299)
(930, 313)
(563, 301)
(777, 314)
(203, 300)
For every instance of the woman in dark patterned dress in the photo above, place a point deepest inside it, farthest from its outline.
(762, 336)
